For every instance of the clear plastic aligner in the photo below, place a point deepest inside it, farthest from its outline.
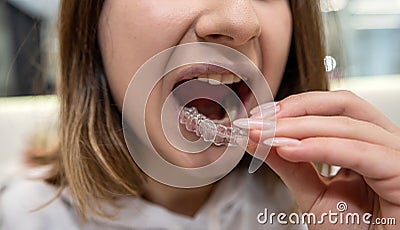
(205, 128)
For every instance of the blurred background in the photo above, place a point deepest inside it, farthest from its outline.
(363, 36)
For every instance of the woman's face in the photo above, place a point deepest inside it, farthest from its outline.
(131, 32)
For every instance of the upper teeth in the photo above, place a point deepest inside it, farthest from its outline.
(216, 79)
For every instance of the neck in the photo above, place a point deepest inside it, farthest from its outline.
(183, 201)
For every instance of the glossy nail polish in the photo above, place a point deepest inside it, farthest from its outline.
(282, 141)
(251, 123)
(266, 114)
(266, 106)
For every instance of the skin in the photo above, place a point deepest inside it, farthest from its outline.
(130, 32)
(343, 130)
(235, 24)
(346, 131)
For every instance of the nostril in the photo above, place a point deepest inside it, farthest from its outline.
(218, 37)
(214, 36)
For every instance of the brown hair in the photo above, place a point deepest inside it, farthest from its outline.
(90, 124)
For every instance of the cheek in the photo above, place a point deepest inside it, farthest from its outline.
(131, 32)
(275, 42)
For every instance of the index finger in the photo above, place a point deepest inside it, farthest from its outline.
(333, 103)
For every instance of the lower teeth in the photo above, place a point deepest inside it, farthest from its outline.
(208, 130)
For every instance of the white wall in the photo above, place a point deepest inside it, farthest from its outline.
(382, 92)
(21, 118)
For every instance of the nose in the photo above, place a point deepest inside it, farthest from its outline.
(228, 22)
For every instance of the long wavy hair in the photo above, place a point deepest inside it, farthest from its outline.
(93, 160)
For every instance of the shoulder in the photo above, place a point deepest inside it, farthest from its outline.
(20, 202)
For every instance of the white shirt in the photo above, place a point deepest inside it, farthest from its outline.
(235, 204)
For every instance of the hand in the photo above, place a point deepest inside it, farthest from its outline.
(337, 128)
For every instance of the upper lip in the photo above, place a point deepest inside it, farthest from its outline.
(192, 71)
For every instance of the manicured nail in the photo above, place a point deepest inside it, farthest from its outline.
(267, 113)
(282, 141)
(246, 123)
(265, 106)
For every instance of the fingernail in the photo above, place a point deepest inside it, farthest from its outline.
(282, 141)
(265, 106)
(246, 123)
(267, 113)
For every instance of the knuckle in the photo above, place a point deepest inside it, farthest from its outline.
(345, 121)
(293, 98)
(346, 93)
(347, 124)
(348, 99)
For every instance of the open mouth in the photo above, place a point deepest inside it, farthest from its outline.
(214, 91)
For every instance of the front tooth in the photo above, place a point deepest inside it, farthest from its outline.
(236, 79)
(214, 79)
(203, 78)
(227, 79)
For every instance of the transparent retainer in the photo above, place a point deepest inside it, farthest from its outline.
(206, 129)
